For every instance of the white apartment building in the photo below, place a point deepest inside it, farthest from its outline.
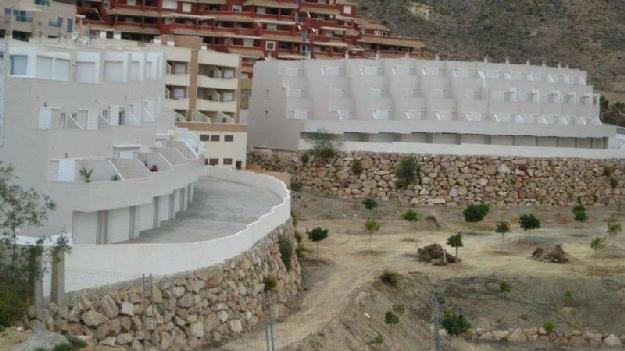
(87, 126)
(410, 105)
(26, 19)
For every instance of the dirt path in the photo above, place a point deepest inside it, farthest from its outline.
(351, 268)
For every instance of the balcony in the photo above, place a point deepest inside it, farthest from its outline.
(217, 83)
(177, 103)
(214, 105)
(183, 80)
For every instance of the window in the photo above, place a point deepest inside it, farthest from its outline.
(204, 137)
(18, 65)
(272, 27)
(170, 4)
(347, 10)
(228, 138)
(237, 8)
(213, 161)
(186, 7)
(214, 138)
(270, 45)
(227, 162)
(7, 11)
(70, 25)
(206, 162)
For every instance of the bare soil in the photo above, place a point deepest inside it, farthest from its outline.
(344, 303)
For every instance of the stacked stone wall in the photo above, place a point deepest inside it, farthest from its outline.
(187, 311)
(457, 179)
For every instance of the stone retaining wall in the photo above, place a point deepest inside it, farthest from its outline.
(571, 337)
(187, 310)
(457, 179)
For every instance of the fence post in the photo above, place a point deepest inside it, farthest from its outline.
(57, 291)
(38, 302)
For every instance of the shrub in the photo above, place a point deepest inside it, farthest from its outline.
(608, 171)
(302, 250)
(356, 167)
(370, 204)
(579, 211)
(408, 172)
(295, 186)
(390, 278)
(399, 309)
(63, 347)
(391, 318)
(476, 212)
(549, 326)
(77, 343)
(372, 226)
(298, 237)
(295, 217)
(411, 216)
(454, 323)
(597, 244)
(613, 182)
(529, 222)
(377, 340)
(568, 293)
(505, 287)
(304, 158)
(285, 246)
(270, 282)
(614, 229)
(324, 144)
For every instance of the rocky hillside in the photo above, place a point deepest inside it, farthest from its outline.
(589, 34)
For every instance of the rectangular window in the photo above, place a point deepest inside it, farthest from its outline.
(228, 138)
(204, 137)
(213, 161)
(186, 7)
(227, 162)
(214, 138)
(70, 25)
(270, 45)
(7, 11)
(18, 65)
(237, 8)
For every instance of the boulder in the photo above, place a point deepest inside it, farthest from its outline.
(612, 341)
(92, 318)
(109, 307)
(517, 336)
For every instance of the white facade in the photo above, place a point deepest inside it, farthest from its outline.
(87, 127)
(397, 103)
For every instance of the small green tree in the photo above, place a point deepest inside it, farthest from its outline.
(408, 172)
(476, 212)
(529, 222)
(455, 323)
(370, 203)
(503, 228)
(505, 287)
(614, 230)
(372, 226)
(455, 241)
(317, 235)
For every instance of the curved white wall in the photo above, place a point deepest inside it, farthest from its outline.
(90, 266)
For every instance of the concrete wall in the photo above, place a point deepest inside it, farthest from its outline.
(454, 179)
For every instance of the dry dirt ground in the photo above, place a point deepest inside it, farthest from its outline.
(344, 303)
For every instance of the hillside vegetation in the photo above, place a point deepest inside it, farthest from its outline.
(586, 34)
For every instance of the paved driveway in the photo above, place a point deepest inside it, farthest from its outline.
(219, 208)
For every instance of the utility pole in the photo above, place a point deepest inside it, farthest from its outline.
(436, 323)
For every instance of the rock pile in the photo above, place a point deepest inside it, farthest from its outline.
(185, 311)
(554, 255)
(456, 179)
(436, 255)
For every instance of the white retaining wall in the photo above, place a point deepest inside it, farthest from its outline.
(90, 266)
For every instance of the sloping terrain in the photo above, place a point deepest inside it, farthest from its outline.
(587, 34)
